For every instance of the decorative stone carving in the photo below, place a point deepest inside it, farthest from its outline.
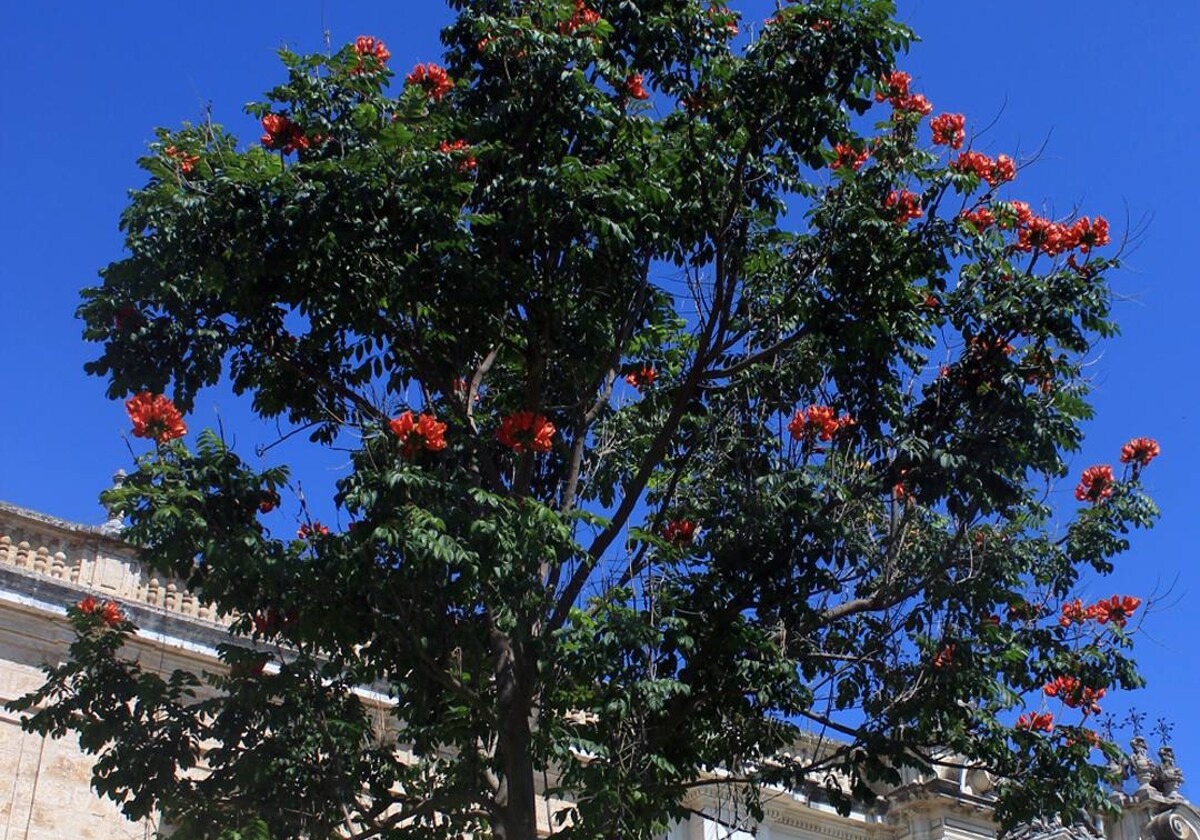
(1169, 777)
(1179, 823)
(1140, 765)
(114, 525)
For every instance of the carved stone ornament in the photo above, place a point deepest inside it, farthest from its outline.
(1179, 823)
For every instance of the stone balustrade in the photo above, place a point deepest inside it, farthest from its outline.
(92, 560)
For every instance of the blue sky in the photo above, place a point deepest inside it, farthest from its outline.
(1103, 88)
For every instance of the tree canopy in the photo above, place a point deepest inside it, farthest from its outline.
(704, 391)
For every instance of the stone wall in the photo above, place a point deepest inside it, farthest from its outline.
(46, 565)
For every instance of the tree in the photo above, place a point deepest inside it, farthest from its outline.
(689, 411)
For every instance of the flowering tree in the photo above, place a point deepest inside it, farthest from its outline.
(686, 417)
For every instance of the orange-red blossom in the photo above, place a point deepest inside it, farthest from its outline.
(155, 417)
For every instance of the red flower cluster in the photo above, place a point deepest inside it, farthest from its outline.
(1116, 609)
(1140, 451)
(185, 161)
(283, 134)
(268, 501)
(987, 346)
(583, 17)
(726, 18)
(417, 433)
(525, 430)
(944, 657)
(906, 204)
(1035, 722)
(982, 218)
(109, 612)
(949, 130)
(818, 421)
(894, 87)
(680, 532)
(155, 417)
(316, 529)
(271, 620)
(468, 161)
(635, 87)
(848, 156)
(915, 104)
(433, 78)
(642, 378)
(1095, 484)
(1074, 612)
(1074, 694)
(366, 45)
(995, 172)
(1054, 238)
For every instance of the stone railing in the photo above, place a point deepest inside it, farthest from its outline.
(93, 560)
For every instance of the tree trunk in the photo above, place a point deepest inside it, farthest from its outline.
(516, 800)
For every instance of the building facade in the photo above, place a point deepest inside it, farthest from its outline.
(47, 564)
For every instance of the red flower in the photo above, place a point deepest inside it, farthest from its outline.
(283, 134)
(725, 18)
(1089, 234)
(906, 204)
(111, 614)
(1035, 722)
(680, 532)
(433, 78)
(634, 87)
(642, 378)
(1022, 212)
(994, 172)
(307, 531)
(915, 104)
(1074, 694)
(1095, 484)
(982, 219)
(583, 17)
(1051, 238)
(155, 417)
(1074, 612)
(1140, 451)
(459, 147)
(949, 130)
(366, 45)
(1004, 171)
(818, 421)
(417, 433)
(186, 162)
(944, 657)
(848, 156)
(271, 620)
(525, 430)
(268, 501)
(1116, 609)
(893, 86)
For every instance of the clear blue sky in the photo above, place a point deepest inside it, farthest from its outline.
(1107, 86)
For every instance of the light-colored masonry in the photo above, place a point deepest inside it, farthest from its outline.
(47, 564)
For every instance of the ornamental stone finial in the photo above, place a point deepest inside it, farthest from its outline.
(1169, 777)
(114, 526)
(1141, 766)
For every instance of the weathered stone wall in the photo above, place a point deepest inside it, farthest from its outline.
(45, 565)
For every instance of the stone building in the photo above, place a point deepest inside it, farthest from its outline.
(47, 564)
